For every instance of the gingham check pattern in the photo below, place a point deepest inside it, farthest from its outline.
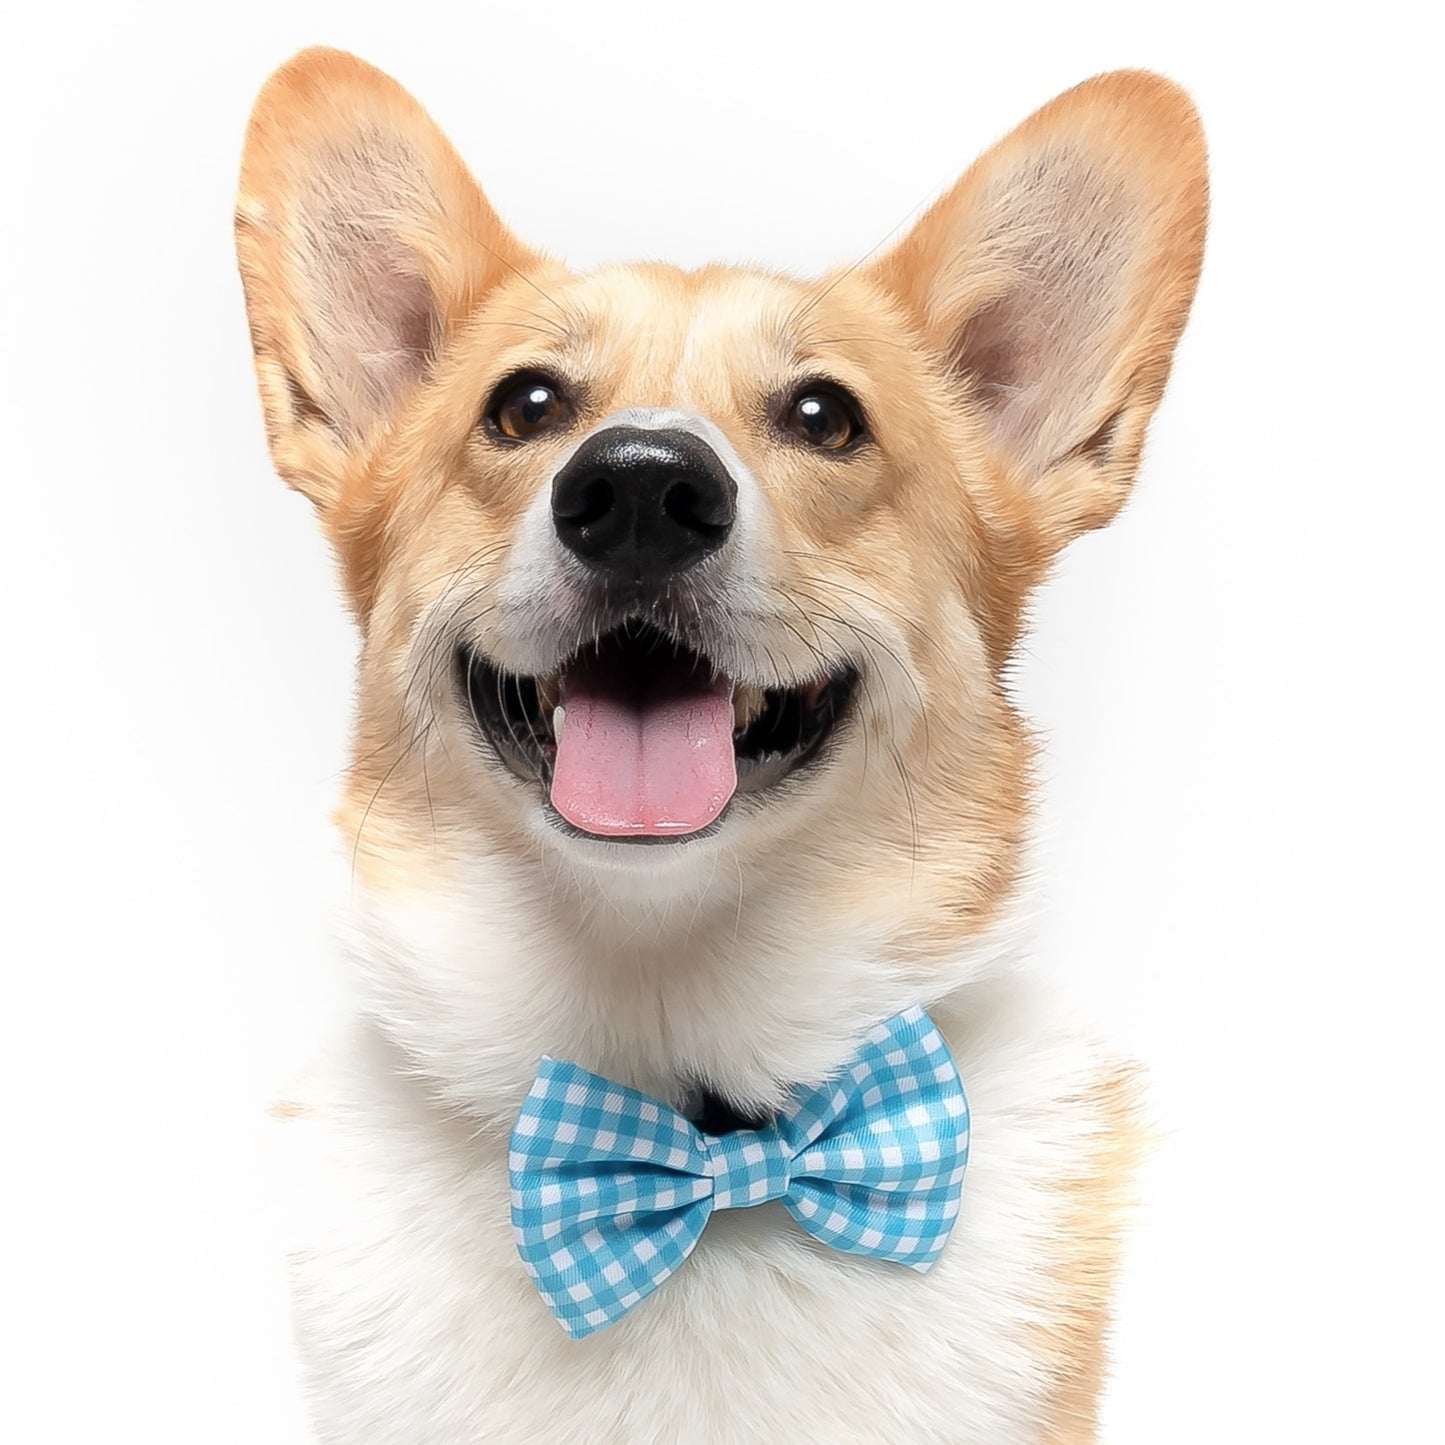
(611, 1190)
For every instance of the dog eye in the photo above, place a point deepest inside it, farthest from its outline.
(824, 417)
(523, 407)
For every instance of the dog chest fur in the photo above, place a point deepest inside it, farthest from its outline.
(417, 1323)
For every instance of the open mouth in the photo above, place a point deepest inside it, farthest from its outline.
(639, 736)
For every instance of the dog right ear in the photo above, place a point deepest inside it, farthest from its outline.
(363, 243)
(1052, 282)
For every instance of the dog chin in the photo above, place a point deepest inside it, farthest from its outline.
(675, 862)
(762, 830)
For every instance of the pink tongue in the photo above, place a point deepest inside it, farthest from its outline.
(650, 759)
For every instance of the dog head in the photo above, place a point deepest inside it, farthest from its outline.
(685, 597)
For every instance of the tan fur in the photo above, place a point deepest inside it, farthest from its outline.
(1099, 1196)
(386, 300)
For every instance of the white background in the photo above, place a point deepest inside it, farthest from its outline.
(1237, 686)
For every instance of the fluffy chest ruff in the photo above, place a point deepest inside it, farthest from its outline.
(416, 1321)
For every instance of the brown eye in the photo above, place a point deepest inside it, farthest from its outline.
(825, 418)
(525, 407)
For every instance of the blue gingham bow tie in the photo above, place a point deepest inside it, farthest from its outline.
(611, 1190)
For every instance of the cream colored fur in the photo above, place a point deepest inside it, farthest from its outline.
(1009, 352)
(416, 1324)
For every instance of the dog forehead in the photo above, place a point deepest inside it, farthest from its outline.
(685, 338)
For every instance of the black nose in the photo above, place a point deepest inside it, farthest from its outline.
(642, 504)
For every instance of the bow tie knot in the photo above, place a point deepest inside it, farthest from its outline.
(747, 1167)
(611, 1190)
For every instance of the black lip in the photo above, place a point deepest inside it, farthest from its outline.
(788, 734)
(506, 710)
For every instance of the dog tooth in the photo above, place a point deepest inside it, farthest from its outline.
(559, 716)
(747, 704)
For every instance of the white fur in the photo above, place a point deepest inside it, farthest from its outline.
(416, 1321)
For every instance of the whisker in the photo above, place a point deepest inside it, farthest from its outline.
(371, 803)
(911, 623)
(861, 632)
(521, 275)
(912, 811)
(796, 317)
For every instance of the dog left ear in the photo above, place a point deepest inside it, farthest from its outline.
(363, 244)
(1053, 281)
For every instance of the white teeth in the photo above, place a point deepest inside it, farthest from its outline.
(559, 716)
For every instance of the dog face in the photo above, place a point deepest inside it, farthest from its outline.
(685, 596)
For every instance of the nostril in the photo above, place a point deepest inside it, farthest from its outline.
(680, 503)
(709, 515)
(587, 504)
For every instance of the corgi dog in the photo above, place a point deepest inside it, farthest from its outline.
(684, 753)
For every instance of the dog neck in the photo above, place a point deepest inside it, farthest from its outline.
(740, 985)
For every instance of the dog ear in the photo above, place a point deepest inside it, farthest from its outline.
(1053, 281)
(363, 242)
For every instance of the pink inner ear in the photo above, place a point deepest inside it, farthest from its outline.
(373, 318)
(1038, 353)
(394, 333)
